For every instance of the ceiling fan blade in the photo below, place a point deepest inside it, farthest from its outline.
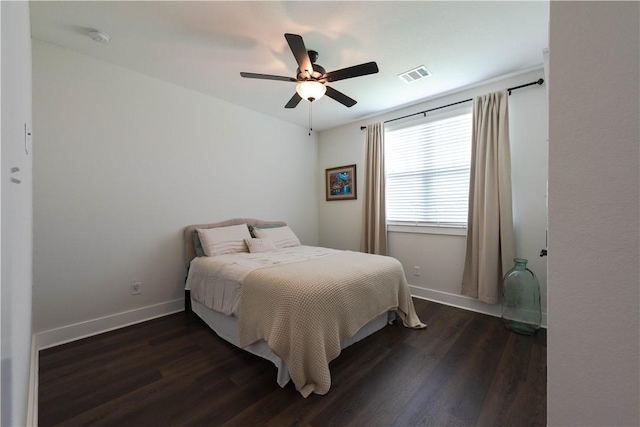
(340, 97)
(267, 77)
(293, 102)
(299, 52)
(350, 72)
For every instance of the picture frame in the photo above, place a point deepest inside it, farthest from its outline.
(341, 183)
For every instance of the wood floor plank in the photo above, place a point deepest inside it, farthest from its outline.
(433, 343)
(375, 399)
(460, 378)
(353, 364)
(442, 331)
(464, 369)
(512, 370)
(265, 409)
(529, 408)
(56, 409)
(231, 401)
(140, 406)
(468, 392)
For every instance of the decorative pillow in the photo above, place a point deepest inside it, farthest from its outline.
(197, 244)
(260, 245)
(283, 237)
(266, 225)
(224, 240)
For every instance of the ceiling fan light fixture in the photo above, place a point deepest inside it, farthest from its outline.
(311, 90)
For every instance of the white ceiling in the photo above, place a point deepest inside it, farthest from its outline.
(204, 46)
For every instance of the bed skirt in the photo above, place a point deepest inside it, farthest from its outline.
(227, 328)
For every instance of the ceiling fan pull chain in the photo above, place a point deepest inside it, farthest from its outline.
(310, 128)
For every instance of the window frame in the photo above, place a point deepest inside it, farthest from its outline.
(430, 227)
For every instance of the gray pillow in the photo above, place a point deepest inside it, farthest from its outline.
(197, 244)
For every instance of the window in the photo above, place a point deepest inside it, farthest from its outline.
(427, 170)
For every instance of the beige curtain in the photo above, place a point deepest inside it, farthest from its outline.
(374, 220)
(490, 241)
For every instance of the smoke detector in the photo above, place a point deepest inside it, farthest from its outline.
(99, 36)
(415, 74)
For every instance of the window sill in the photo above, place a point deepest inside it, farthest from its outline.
(425, 229)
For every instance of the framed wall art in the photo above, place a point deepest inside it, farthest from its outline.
(341, 183)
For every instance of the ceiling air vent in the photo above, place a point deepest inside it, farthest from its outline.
(415, 74)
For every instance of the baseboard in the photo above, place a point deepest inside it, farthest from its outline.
(32, 406)
(461, 301)
(65, 334)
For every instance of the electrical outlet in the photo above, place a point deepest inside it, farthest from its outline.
(416, 270)
(136, 287)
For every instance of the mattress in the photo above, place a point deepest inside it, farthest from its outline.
(216, 281)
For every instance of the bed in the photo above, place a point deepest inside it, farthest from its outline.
(257, 287)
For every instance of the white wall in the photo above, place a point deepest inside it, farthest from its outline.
(441, 257)
(124, 162)
(16, 230)
(594, 221)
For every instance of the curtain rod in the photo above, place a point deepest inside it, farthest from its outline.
(537, 82)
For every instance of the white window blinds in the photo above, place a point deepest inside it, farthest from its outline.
(427, 171)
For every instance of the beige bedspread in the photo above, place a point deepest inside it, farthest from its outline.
(303, 310)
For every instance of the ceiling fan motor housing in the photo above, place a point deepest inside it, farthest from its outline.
(318, 72)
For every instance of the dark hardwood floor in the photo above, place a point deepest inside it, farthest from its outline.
(464, 369)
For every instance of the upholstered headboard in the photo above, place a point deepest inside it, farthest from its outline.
(190, 252)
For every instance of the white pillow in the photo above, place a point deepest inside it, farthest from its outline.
(283, 237)
(224, 240)
(260, 245)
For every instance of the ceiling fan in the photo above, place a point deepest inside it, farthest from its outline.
(312, 78)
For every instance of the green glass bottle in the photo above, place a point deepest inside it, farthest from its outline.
(521, 311)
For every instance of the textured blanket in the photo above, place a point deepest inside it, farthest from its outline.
(304, 309)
